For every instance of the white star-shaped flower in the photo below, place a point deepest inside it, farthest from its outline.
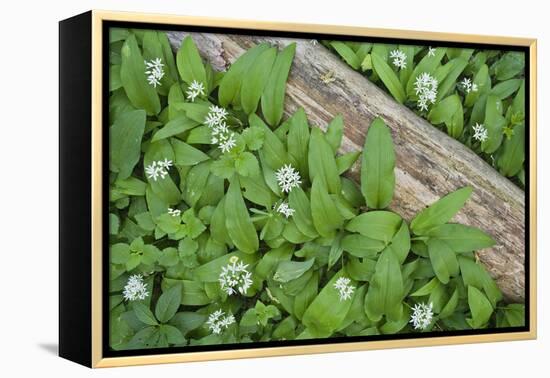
(345, 290)
(422, 315)
(288, 178)
(135, 288)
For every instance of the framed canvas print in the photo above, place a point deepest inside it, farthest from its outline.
(235, 189)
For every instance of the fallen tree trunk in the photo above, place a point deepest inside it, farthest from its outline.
(430, 164)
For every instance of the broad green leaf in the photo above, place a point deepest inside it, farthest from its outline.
(347, 54)
(510, 161)
(271, 259)
(379, 225)
(389, 78)
(449, 111)
(186, 154)
(144, 314)
(256, 191)
(441, 211)
(377, 168)
(132, 74)
(290, 270)
(306, 296)
(322, 164)
(480, 308)
(273, 95)
(362, 246)
(192, 292)
(256, 79)
(451, 305)
(506, 88)
(230, 86)
(273, 149)
(461, 238)
(334, 133)
(168, 304)
(345, 162)
(386, 289)
(174, 127)
(298, 140)
(427, 288)
(457, 66)
(401, 243)
(125, 147)
(238, 223)
(336, 250)
(509, 65)
(325, 214)
(299, 201)
(444, 261)
(189, 63)
(247, 165)
(494, 123)
(327, 312)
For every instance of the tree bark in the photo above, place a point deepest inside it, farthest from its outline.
(429, 163)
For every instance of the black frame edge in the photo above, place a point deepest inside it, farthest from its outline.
(75, 114)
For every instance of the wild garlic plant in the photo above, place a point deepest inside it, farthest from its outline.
(456, 89)
(230, 223)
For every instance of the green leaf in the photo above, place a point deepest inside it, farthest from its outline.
(510, 161)
(186, 154)
(480, 308)
(132, 74)
(273, 149)
(190, 64)
(461, 238)
(144, 314)
(254, 138)
(256, 191)
(176, 126)
(457, 66)
(168, 304)
(379, 225)
(290, 270)
(345, 162)
(511, 64)
(386, 289)
(210, 272)
(347, 53)
(335, 132)
(247, 165)
(322, 164)
(449, 111)
(230, 86)
(441, 211)
(125, 147)
(494, 123)
(362, 246)
(506, 88)
(325, 214)
(304, 298)
(444, 261)
(298, 201)
(389, 78)
(274, 92)
(298, 140)
(256, 79)
(451, 305)
(239, 225)
(327, 312)
(377, 168)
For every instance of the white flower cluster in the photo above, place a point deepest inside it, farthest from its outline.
(399, 59)
(422, 315)
(345, 290)
(195, 90)
(431, 51)
(425, 87)
(174, 212)
(286, 210)
(480, 132)
(135, 288)
(468, 86)
(158, 169)
(215, 120)
(154, 71)
(218, 320)
(235, 277)
(288, 178)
